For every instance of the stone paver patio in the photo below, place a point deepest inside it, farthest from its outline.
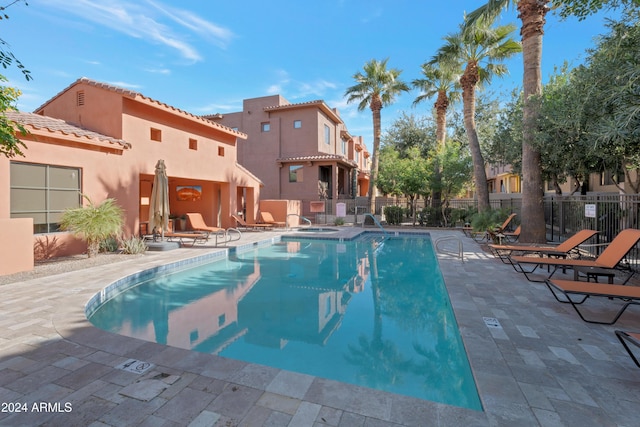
(540, 365)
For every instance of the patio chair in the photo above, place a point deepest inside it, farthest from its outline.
(241, 223)
(197, 223)
(563, 250)
(184, 238)
(570, 289)
(509, 236)
(609, 260)
(267, 218)
(627, 338)
(479, 236)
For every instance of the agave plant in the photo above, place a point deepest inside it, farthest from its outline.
(93, 223)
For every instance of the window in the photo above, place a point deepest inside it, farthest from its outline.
(156, 134)
(610, 178)
(266, 126)
(80, 98)
(295, 173)
(297, 124)
(327, 134)
(43, 192)
(193, 144)
(221, 151)
(344, 147)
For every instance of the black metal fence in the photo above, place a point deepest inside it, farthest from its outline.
(564, 215)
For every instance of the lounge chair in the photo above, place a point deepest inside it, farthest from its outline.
(627, 338)
(609, 260)
(241, 223)
(479, 236)
(563, 250)
(509, 236)
(184, 238)
(197, 223)
(267, 218)
(571, 288)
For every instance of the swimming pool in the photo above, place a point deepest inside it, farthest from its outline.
(368, 312)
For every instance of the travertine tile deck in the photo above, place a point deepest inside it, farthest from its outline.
(541, 366)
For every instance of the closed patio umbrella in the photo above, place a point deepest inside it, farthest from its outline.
(159, 203)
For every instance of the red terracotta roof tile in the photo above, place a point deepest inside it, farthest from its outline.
(318, 157)
(52, 125)
(137, 95)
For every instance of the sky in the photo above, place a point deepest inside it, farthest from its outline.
(205, 57)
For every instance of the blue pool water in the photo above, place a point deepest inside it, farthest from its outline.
(368, 312)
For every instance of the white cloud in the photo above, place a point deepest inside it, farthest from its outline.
(138, 20)
(164, 71)
(125, 85)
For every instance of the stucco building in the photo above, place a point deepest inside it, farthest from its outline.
(104, 141)
(300, 151)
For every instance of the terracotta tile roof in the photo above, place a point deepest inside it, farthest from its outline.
(57, 126)
(317, 103)
(318, 157)
(138, 96)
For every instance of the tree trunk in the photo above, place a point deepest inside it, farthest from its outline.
(468, 82)
(441, 105)
(532, 14)
(376, 106)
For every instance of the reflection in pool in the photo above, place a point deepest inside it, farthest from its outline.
(370, 312)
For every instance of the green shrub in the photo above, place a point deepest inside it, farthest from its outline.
(338, 221)
(110, 244)
(133, 245)
(93, 223)
(462, 215)
(490, 219)
(394, 214)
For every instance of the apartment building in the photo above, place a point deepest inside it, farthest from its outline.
(104, 141)
(300, 151)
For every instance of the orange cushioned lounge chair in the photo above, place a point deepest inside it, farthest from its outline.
(248, 226)
(267, 218)
(198, 224)
(563, 250)
(571, 289)
(609, 260)
(627, 338)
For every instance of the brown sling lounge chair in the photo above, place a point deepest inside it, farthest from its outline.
(563, 250)
(605, 264)
(627, 338)
(247, 226)
(267, 218)
(478, 236)
(571, 289)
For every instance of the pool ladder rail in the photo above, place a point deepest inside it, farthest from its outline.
(300, 217)
(460, 253)
(376, 222)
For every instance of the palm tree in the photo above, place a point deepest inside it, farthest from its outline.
(480, 49)
(377, 87)
(93, 223)
(441, 79)
(532, 14)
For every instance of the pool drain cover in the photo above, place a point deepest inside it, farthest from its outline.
(135, 366)
(492, 322)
